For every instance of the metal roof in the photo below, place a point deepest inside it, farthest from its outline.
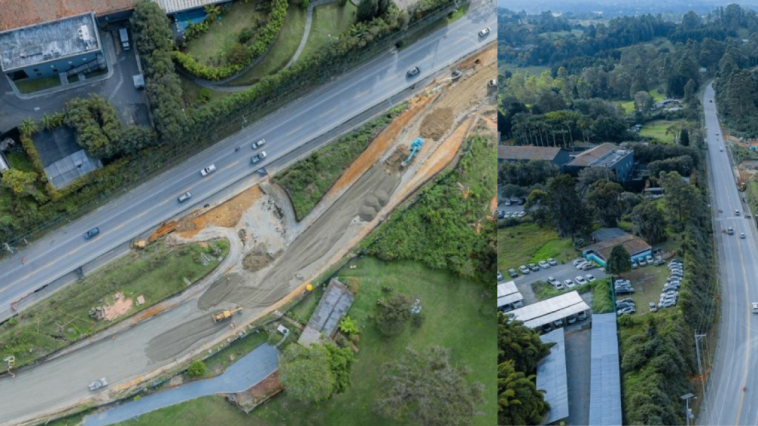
(551, 377)
(603, 155)
(20, 13)
(605, 376)
(173, 6)
(506, 289)
(527, 152)
(507, 300)
(549, 310)
(558, 315)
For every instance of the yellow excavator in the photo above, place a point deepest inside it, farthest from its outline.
(226, 314)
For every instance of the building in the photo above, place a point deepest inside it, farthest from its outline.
(174, 6)
(24, 13)
(600, 252)
(552, 377)
(69, 45)
(605, 376)
(547, 311)
(332, 307)
(508, 153)
(618, 161)
(508, 297)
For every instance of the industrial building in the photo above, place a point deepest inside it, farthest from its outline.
(552, 377)
(508, 297)
(69, 45)
(550, 310)
(618, 162)
(605, 378)
(608, 238)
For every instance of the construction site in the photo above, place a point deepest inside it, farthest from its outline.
(273, 259)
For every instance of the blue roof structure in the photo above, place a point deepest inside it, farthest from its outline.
(551, 377)
(605, 375)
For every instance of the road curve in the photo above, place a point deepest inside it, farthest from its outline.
(371, 84)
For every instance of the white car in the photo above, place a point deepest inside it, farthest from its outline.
(755, 307)
(97, 384)
(524, 270)
(569, 283)
(259, 143)
(581, 264)
(576, 262)
(208, 170)
(590, 278)
(484, 32)
(580, 280)
(258, 157)
(543, 264)
(184, 197)
(552, 262)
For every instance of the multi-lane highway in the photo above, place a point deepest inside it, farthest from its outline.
(119, 221)
(736, 363)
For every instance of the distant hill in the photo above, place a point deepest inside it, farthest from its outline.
(613, 8)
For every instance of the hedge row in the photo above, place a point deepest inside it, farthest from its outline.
(264, 39)
(31, 151)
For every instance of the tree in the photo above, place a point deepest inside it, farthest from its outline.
(648, 222)
(609, 129)
(520, 344)
(340, 362)
(689, 91)
(566, 209)
(393, 313)
(28, 127)
(306, 373)
(681, 198)
(424, 388)
(684, 138)
(367, 10)
(19, 181)
(518, 400)
(643, 101)
(590, 175)
(196, 369)
(348, 325)
(603, 199)
(619, 261)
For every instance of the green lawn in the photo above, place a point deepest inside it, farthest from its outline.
(281, 51)
(526, 243)
(210, 47)
(191, 92)
(35, 85)
(629, 105)
(19, 160)
(303, 310)
(657, 130)
(211, 410)
(328, 20)
(224, 358)
(156, 273)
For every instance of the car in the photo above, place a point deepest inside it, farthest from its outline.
(184, 197)
(534, 267)
(499, 276)
(492, 83)
(259, 144)
(754, 307)
(484, 32)
(97, 384)
(673, 268)
(208, 170)
(667, 303)
(569, 283)
(413, 72)
(258, 157)
(670, 291)
(653, 308)
(626, 299)
(546, 328)
(559, 286)
(635, 265)
(576, 262)
(521, 214)
(512, 273)
(625, 290)
(620, 281)
(91, 233)
(668, 288)
(625, 302)
(676, 270)
(521, 201)
(587, 266)
(552, 262)
(659, 262)
(571, 319)
(581, 316)
(580, 280)
(649, 260)
(581, 264)
(552, 280)
(590, 278)
(507, 202)
(543, 264)
(456, 74)
(742, 235)
(558, 323)
(730, 231)
(524, 270)
(626, 311)
(710, 100)
(517, 304)
(679, 261)
(642, 262)
(736, 212)
(721, 149)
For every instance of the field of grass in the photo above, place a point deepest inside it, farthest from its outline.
(328, 20)
(210, 48)
(527, 243)
(309, 179)
(648, 282)
(156, 273)
(281, 50)
(657, 130)
(629, 105)
(303, 310)
(35, 85)
(19, 160)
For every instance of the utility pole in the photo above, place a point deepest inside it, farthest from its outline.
(688, 413)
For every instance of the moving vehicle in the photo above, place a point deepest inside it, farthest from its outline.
(97, 384)
(484, 32)
(220, 316)
(91, 233)
(730, 231)
(208, 170)
(754, 307)
(184, 197)
(259, 143)
(413, 72)
(258, 157)
(736, 212)
(742, 235)
(123, 35)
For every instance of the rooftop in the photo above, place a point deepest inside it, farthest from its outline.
(632, 244)
(549, 310)
(604, 155)
(528, 152)
(22, 13)
(507, 293)
(605, 234)
(333, 305)
(552, 378)
(53, 40)
(173, 6)
(605, 381)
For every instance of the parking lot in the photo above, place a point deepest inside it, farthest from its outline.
(559, 272)
(513, 208)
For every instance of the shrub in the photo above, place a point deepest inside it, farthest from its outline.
(245, 35)
(196, 369)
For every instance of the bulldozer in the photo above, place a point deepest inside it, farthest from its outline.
(225, 314)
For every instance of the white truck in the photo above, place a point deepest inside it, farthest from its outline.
(123, 35)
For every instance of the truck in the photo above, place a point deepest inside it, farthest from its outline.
(123, 35)
(225, 314)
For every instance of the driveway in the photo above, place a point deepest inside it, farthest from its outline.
(559, 272)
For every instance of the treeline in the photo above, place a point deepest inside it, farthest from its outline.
(736, 92)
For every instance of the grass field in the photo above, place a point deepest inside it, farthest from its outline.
(528, 243)
(211, 410)
(156, 273)
(629, 105)
(210, 47)
(35, 85)
(303, 310)
(657, 130)
(328, 20)
(19, 160)
(281, 51)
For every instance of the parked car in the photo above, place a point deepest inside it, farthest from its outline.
(659, 262)
(580, 280)
(97, 384)
(653, 308)
(546, 328)
(552, 262)
(520, 214)
(667, 303)
(635, 265)
(642, 262)
(625, 290)
(626, 311)
(587, 266)
(649, 260)
(590, 278)
(571, 319)
(507, 202)
(543, 264)
(569, 283)
(558, 323)
(184, 197)
(258, 144)
(552, 281)
(581, 264)
(524, 270)
(499, 276)
(626, 299)
(413, 72)
(512, 273)
(521, 201)
(484, 32)
(258, 157)
(208, 170)
(581, 316)
(534, 267)
(576, 262)
(91, 233)
(518, 304)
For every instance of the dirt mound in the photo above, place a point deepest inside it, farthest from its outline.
(436, 124)
(372, 205)
(226, 215)
(258, 258)
(392, 165)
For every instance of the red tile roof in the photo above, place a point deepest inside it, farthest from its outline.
(21, 13)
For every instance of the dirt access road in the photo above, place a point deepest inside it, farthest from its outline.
(296, 252)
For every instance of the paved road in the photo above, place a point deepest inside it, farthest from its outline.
(324, 109)
(736, 363)
(242, 375)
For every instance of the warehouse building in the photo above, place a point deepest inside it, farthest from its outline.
(547, 311)
(508, 297)
(618, 162)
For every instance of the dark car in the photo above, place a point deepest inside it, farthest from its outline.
(91, 233)
(521, 201)
(413, 72)
(512, 272)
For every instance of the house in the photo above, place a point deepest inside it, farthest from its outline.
(333, 306)
(507, 153)
(609, 238)
(618, 161)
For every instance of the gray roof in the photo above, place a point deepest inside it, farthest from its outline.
(551, 377)
(605, 376)
(507, 293)
(173, 6)
(547, 311)
(603, 155)
(50, 41)
(606, 234)
(333, 305)
(64, 171)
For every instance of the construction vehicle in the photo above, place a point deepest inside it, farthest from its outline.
(415, 147)
(225, 314)
(139, 244)
(741, 186)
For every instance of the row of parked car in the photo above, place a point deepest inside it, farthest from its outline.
(533, 267)
(625, 306)
(510, 215)
(569, 284)
(647, 261)
(670, 291)
(571, 319)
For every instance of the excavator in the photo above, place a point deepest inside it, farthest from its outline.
(225, 314)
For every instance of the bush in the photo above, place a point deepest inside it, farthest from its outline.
(204, 95)
(245, 35)
(196, 369)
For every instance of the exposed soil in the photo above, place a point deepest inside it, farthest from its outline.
(394, 162)
(119, 307)
(259, 258)
(226, 215)
(435, 125)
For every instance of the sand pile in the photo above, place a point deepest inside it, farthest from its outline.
(436, 124)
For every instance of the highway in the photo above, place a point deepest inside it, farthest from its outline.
(146, 206)
(736, 362)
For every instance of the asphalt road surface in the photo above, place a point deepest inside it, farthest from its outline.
(324, 109)
(736, 363)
